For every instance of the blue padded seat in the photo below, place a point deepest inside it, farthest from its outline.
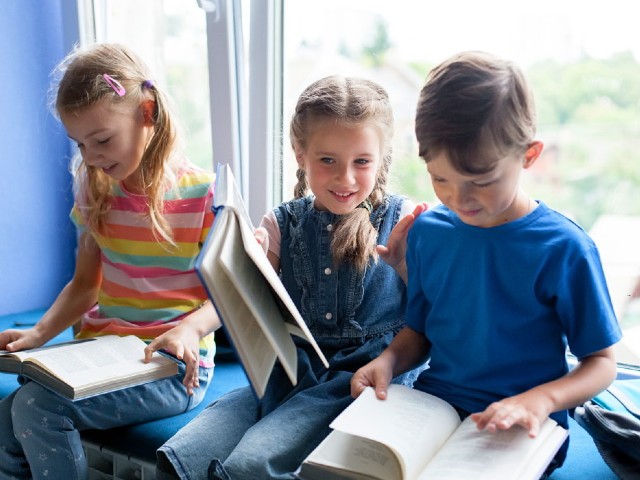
(142, 440)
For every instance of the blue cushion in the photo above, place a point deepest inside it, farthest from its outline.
(583, 460)
(8, 382)
(142, 440)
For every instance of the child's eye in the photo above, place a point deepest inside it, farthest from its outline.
(482, 184)
(362, 161)
(327, 160)
(437, 179)
(102, 142)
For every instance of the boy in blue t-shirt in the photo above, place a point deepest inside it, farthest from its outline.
(499, 285)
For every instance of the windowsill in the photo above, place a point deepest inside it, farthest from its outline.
(626, 371)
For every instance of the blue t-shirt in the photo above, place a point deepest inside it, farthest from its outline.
(500, 305)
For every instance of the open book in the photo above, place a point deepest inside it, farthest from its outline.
(414, 435)
(254, 306)
(83, 368)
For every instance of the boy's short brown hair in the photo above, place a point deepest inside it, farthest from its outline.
(476, 108)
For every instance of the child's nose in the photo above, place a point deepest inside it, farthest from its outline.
(460, 195)
(346, 174)
(89, 156)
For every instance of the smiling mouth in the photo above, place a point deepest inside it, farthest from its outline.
(109, 169)
(342, 196)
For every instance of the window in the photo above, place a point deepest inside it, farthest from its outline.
(171, 37)
(197, 49)
(583, 64)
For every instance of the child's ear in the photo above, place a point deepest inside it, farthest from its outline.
(533, 153)
(148, 108)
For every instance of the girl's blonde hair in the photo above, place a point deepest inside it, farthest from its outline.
(82, 84)
(352, 102)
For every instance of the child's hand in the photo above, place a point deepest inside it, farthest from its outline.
(182, 342)
(529, 410)
(13, 340)
(395, 252)
(376, 374)
(262, 237)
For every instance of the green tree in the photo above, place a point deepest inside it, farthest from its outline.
(589, 118)
(375, 52)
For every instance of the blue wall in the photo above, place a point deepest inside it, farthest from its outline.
(37, 240)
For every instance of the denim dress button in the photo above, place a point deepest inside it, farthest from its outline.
(328, 316)
(327, 271)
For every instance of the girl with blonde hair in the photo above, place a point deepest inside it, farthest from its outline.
(142, 211)
(323, 245)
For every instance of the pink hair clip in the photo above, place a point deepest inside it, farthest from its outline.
(116, 85)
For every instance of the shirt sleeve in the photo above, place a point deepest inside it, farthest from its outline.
(78, 220)
(584, 305)
(209, 216)
(407, 207)
(417, 304)
(270, 224)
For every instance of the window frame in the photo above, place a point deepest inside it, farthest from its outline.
(246, 93)
(249, 142)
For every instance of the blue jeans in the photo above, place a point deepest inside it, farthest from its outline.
(230, 439)
(239, 437)
(40, 433)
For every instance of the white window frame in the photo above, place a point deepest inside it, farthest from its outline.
(226, 83)
(265, 100)
(249, 142)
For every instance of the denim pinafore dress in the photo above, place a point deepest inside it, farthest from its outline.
(352, 315)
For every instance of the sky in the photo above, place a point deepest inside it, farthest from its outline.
(431, 31)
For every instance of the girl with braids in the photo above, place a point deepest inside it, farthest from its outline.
(142, 212)
(323, 244)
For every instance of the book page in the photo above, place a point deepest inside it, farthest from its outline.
(230, 198)
(413, 424)
(503, 455)
(10, 362)
(106, 361)
(258, 298)
(353, 457)
(253, 347)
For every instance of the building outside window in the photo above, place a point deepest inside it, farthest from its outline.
(584, 66)
(583, 63)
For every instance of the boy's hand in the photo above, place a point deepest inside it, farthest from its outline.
(182, 342)
(376, 374)
(395, 252)
(529, 410)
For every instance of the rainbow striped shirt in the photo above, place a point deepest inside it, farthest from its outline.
(148, 286)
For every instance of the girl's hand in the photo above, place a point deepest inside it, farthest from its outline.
(528, 410)
(13, 340)
(395, 252)
(377, 374)
(183, 342)
(262, 237)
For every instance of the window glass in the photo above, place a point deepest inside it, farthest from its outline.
(170, 36)
(583, 64)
